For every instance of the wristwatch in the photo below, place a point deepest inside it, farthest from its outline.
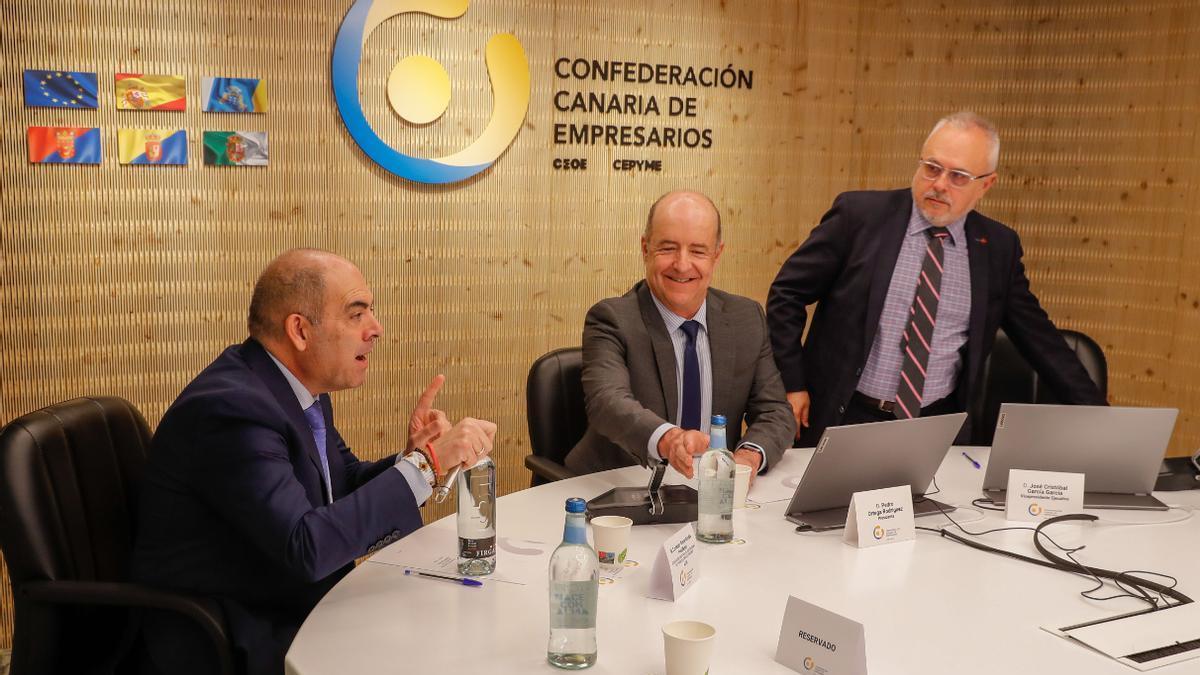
(421, 460)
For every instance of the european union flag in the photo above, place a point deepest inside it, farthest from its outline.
(60, 89)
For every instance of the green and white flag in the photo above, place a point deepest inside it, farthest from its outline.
(235, 148)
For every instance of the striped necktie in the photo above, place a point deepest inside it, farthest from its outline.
(919, 333)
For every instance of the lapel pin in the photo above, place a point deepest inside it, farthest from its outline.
(982, 240)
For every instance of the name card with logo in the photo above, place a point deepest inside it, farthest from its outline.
(880, 517)
(675, 567)
(1038, 495)
(816, 641)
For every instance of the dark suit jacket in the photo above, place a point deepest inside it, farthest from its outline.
(232, 506)
(630, 388)
(846, 266)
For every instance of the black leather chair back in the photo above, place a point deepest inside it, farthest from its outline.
(69, 475)
(555, 410)
(1008, 378)
(69, 480)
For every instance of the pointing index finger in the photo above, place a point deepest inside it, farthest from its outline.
(431, 392)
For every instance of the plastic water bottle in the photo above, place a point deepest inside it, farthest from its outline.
(574, 585)
(477, 519)
(717, 475)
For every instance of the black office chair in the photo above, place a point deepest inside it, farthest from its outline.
(1008, 378)
(69, 478)
(555, 411)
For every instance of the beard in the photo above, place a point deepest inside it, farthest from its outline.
(939, 219)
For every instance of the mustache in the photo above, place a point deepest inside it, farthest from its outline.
(938, 195)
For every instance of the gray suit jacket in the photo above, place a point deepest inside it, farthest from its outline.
(630, 388)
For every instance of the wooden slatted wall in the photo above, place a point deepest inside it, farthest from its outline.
(127, 281)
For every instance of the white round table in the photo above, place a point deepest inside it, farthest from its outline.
(928, 606)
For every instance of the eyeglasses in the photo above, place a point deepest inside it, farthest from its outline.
(931, 170)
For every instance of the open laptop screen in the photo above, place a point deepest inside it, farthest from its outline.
(1118, 449)
(862, 457)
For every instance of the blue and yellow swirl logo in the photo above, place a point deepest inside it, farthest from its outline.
(1035, 509)
(419, 91)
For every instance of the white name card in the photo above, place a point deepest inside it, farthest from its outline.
(879, 517)
(816, 641)
(1038, 495)
(675, 567)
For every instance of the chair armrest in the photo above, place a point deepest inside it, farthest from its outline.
(547, 468)
(205, 612)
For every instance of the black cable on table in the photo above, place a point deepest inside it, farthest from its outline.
(1069, 564)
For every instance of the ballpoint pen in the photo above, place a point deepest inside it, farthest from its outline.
(458, 580)
(972, 461)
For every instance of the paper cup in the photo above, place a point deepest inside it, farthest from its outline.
(688, 646)
(611, 535)
(741, 485)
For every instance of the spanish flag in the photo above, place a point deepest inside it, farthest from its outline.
(150, 92)
(64, 145)
(152, 146)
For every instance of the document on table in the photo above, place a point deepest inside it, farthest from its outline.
(518, 561)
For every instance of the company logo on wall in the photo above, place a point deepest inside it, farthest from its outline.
(419, 91)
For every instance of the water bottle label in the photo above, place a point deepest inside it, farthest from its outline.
(716, 499)
(573, 604)
(476, 548)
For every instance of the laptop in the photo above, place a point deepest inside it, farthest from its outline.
(1118, 450)
(862, 457)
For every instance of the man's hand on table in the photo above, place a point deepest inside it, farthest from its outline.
(751, 458)
(678, 447)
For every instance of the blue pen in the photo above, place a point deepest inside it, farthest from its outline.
(972, 461)
(457, 580)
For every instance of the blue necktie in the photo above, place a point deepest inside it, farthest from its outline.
(316, 422)
(689, 414)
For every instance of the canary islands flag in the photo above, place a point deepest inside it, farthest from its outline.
(60, 89)
(64, 145)
(233, 95)
(152, 146)
(150, 92)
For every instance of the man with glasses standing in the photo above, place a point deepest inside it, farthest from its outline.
(912, 286)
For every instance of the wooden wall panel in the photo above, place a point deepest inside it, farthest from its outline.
(127, 281)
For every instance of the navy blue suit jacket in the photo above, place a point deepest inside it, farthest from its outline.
(232, 506)
(846, 267)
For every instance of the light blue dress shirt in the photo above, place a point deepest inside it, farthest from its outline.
(881, 374)
(674, 324)
(412, 475)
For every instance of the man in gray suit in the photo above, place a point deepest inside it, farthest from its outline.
(660, 360)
